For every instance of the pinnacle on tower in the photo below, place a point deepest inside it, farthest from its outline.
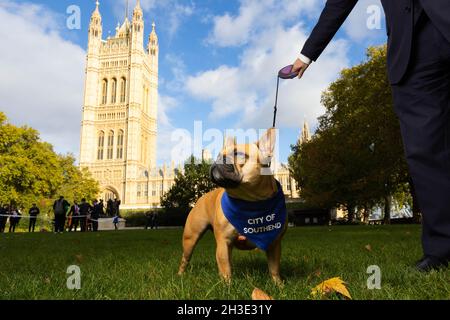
(305, 134)
(96, 13)
(153, 37)
(95, 26)
(138, 5)
(137, 12)
(153, 41)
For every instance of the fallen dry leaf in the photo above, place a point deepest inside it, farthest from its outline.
(258, 294)
(368, 247)
(331, 285)
(79, 258)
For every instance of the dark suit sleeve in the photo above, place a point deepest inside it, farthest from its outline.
(331, 19)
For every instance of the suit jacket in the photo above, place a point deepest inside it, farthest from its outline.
(400, 20)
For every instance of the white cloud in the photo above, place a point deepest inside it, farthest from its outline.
(255, 15)
(41, 74)
(165, 105)
(148, 4)
(165, 128)
(177, 15)
(178, 69)
(247, 91)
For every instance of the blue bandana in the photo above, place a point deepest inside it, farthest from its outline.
(259, 221)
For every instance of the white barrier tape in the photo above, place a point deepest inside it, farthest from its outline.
(26, 217)
(51, 219)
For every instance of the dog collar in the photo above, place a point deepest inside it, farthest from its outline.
(259, 221)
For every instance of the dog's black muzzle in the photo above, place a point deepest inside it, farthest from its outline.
(225, 175)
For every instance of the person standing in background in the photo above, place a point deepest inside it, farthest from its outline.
(97, 212)
(117, 207)
(74, 214)
(33, 212)
(110, 208)
(3, 217)
(60, 208)
(14, 219)
(84, 209)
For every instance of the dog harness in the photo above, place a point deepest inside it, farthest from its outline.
(259, 221)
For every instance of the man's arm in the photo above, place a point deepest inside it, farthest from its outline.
(331, 19)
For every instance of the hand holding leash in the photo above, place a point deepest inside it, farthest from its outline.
(299, 67)
(288, 72)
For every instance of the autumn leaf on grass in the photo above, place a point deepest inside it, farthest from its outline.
(368, 247)
(329, 286)
(258, 294)
(79, 258)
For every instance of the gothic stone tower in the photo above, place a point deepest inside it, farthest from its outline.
(119, 122)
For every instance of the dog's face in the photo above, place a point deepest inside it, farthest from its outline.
(240, 165)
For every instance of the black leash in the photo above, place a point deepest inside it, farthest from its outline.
(275, 108)
(285, 73)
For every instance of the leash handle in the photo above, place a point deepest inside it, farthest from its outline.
(284, 73)
(275, 108)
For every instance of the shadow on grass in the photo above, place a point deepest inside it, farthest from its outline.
(290, 269)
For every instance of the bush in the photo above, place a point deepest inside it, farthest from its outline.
(173, 217)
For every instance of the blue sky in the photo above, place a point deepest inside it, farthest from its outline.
(218, 61)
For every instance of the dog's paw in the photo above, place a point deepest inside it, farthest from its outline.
(278, 281)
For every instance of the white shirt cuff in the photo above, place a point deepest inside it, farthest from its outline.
(304, 59)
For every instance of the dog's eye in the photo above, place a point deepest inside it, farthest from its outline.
(240, 157)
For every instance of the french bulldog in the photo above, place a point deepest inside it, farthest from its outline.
(239, 174)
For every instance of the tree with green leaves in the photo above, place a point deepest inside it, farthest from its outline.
(356, 157)
(30, 171)
(190, 184)
(77, 183)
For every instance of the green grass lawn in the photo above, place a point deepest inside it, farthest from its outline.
(143, 265)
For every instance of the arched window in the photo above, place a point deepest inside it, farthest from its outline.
(110, 145)
(114, 91)
(146, 190)
(119, 154)
(123, 89)
(104, 91)
(138, 190)
(100, 145)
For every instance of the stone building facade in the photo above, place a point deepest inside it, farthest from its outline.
(119, 122)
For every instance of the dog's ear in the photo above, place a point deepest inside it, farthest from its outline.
(266, 144)
(229, 142)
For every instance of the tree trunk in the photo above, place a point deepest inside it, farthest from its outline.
(387, 210)
(351, 213)
(366, 215)
(417, 216)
